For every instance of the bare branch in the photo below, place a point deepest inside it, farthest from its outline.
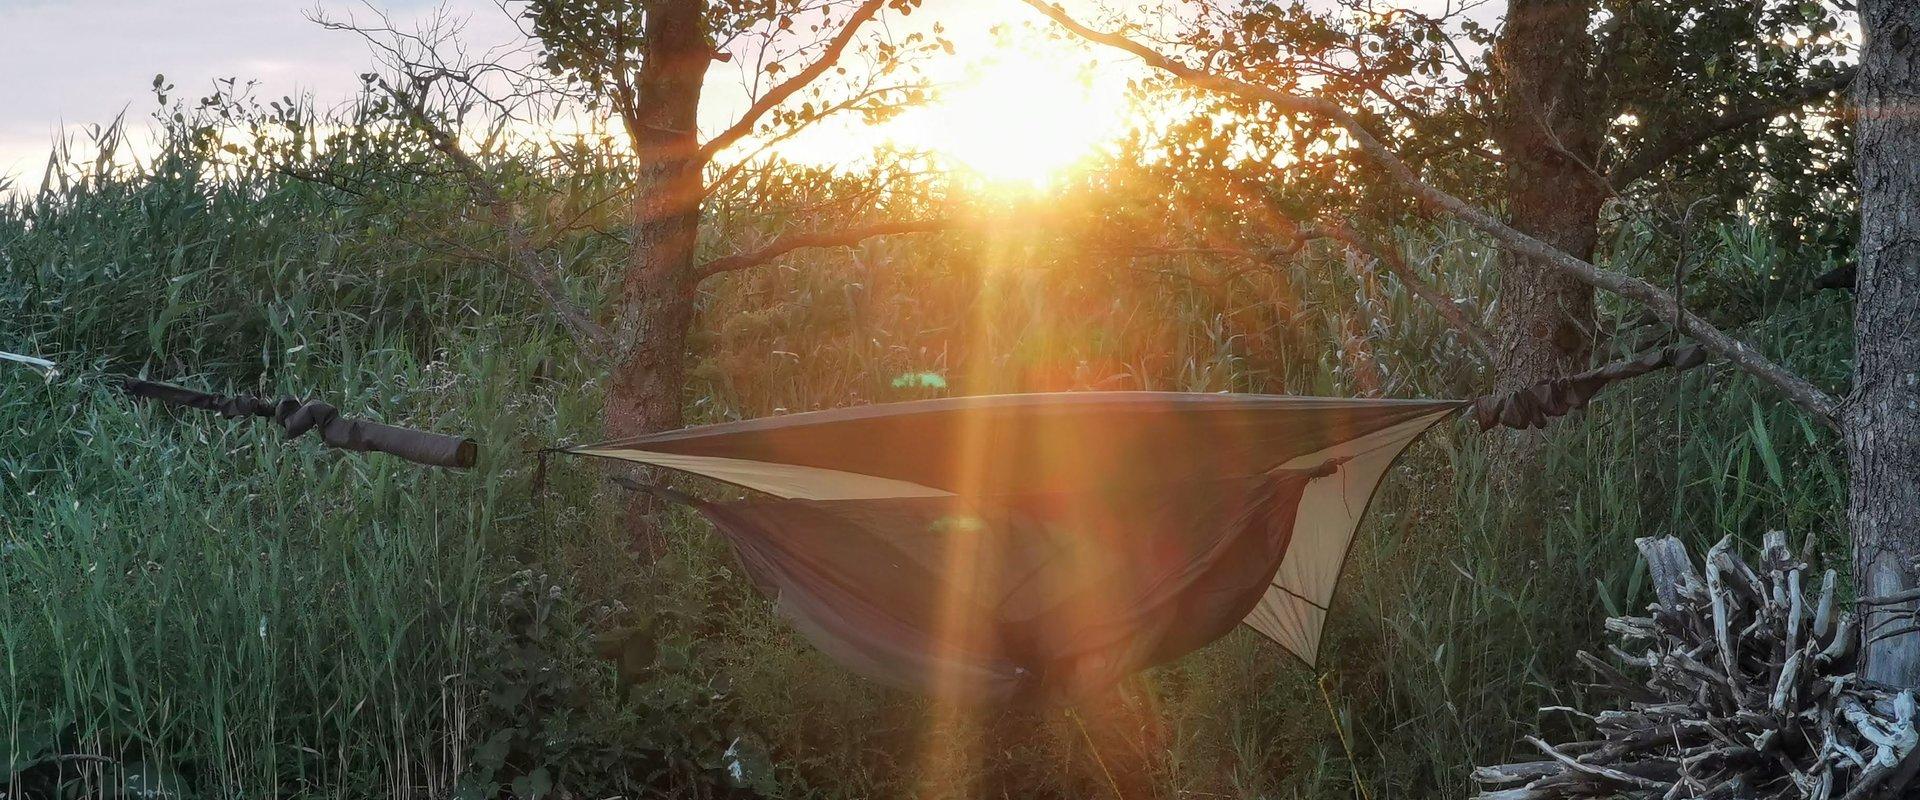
(329, 179)
(796, 241)
(1299, 235)
(1798, 390)
(1682, 138)
(1534, 406)
(523, 257)
(774, 97)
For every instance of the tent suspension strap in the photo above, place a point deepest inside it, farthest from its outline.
(1531, 407)
(1536, 405)
(297, 417)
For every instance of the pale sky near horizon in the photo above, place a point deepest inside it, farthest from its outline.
(74, 63)
(70, 64)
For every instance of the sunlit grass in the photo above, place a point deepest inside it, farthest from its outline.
(405, 632)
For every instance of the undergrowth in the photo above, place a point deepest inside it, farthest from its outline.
(191, 608)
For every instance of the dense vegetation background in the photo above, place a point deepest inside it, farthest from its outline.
(191, 607)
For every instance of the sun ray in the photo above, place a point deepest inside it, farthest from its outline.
(952, 733)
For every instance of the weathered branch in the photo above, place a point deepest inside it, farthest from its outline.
(1534, 406)
(523, 257)
(1682, 138)
(1730, 687)
(1798, 390)
(796, 241)
(778, 94)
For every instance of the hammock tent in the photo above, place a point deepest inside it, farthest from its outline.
(1026, 546)
(1022, 547)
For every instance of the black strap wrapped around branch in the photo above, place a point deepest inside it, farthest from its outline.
(1538, 404)
(297, 417)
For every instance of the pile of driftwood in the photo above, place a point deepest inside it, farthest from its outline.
(1734, 686)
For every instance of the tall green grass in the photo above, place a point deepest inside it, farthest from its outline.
(1451, 632)
(191, 605)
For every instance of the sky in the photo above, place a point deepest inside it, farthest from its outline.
(74, 63)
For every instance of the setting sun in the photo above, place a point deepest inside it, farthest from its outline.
(1020, 118)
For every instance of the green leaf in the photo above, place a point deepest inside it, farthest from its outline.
(922, 380)
(1763, 443)
(533, 785)
(492, 754)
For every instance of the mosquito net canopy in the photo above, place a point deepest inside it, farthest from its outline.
(1022, 547)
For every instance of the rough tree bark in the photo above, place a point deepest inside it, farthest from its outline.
(656, 294)
(1881, 419)
(1546, 319)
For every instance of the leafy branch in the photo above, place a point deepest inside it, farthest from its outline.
(1660, 303)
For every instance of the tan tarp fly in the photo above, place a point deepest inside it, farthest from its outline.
(1022, 546)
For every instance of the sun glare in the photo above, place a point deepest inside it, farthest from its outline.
(1017, 119)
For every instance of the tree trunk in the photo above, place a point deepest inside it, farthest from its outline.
(1544, 320)
(644, 394)
(1881, 419)
(1548, 134)
(657, 291)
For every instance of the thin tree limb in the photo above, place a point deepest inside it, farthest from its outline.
(1798, 390)
(796, 241)
(1383, 254)
(779, 94)
(733, 170)
(523, 257)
